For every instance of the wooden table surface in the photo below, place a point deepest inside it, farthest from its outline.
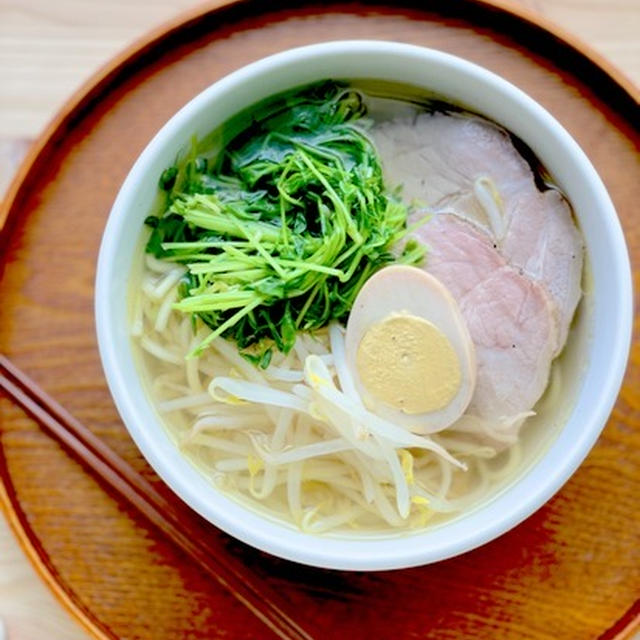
(47, 50)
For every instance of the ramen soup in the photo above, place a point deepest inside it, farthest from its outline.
(357, 311)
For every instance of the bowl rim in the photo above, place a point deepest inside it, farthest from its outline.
(285, 541)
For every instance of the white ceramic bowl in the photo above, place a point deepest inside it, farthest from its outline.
(603, 352)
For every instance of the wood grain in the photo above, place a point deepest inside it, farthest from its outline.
(582, 544)
(56, 46)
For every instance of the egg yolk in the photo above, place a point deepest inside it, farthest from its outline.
(409, 364)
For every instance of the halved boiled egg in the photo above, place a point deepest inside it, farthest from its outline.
(409, 350)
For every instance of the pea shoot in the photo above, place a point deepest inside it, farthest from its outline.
(282, 230)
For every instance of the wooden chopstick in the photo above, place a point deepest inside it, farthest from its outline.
(108, 466)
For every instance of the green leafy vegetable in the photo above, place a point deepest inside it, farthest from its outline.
(283, 228)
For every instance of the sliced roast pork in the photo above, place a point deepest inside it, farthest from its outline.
(543, 241)
(509, 316)
(444, 160)
(470, 167)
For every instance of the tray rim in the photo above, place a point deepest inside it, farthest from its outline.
(75, 105)
(38, 558)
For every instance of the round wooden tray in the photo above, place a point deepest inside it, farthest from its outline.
(572, 570)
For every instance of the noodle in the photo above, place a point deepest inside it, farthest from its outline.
(299, 449)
